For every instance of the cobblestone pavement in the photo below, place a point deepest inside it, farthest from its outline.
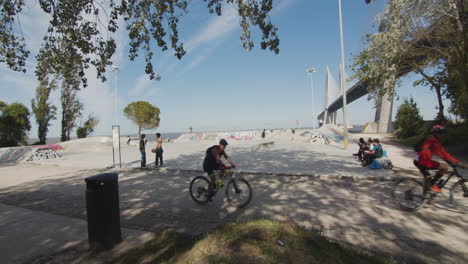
(358, 212)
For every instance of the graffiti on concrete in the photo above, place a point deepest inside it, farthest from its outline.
(43, 154)
(238, 135)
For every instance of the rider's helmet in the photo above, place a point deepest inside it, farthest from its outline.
(223, 142)
(439, 129)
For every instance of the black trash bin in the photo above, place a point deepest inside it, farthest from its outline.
(102, 204)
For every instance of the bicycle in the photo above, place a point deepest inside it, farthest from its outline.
(238, 191)
(412, 194)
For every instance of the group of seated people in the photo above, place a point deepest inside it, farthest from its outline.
(369, 151)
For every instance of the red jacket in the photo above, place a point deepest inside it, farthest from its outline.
(432, 146)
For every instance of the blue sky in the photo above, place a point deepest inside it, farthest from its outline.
(218, 85)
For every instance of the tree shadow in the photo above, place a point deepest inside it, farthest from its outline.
(359, 212)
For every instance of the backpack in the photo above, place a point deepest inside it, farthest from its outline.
(419, 144)
(375, 165)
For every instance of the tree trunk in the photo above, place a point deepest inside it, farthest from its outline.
(438, 89)
(42, 134)
(139, 132)
(63, 136)
(440, 114)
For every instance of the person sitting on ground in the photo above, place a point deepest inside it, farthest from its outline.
(362, 147)
(213, 162)
(432, 146)
(370, 144)
(375, 153)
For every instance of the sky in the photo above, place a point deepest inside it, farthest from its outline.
(218, 85)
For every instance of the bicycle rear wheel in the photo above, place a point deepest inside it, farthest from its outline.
(238, 192)
(199, 189)
(409, 194)
(459, 196)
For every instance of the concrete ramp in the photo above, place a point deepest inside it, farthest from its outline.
(14, 154)
(23, 154)
(332, 133)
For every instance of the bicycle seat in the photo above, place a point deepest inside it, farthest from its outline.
(424, 170)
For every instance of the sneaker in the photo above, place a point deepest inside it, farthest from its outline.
(435, 188)
(356, 154)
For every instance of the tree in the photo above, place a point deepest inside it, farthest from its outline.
(87, 128)
(408, 121)
(42, 109)
(86, 29)
(143, 114)
(420, 36)
(437, 82)
(71, 106)
(14, 124)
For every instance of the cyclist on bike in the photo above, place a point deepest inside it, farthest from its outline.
(213, 162)
(432, 146)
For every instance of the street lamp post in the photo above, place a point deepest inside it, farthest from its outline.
(310, 71)
(115, 68)
(342, 82)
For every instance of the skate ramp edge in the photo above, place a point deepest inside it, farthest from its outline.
(25, 154)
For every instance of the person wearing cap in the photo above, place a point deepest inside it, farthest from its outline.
(432, 146)
(213, 162)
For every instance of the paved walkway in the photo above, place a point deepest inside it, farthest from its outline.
(31, 235)
(359, 212)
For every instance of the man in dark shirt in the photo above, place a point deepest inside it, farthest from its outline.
(213, 162)
(143, 150)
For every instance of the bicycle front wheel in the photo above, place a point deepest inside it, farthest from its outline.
(459, 196)
(238, 193)
(199, 189)
(408, 194)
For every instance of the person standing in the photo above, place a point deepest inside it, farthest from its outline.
(263, 134)
(159, 150)
(143, 150)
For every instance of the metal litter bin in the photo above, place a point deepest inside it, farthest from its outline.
(103, 212)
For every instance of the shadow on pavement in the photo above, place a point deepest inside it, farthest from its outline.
(358, 212)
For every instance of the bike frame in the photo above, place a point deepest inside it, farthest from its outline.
(452, 173)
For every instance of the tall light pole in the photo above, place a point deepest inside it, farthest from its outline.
(116, 69)
(342, 82)
(310, 71)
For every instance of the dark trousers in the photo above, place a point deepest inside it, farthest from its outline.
(368, 158)
(159, 157)
(143, 158)
(361, 153)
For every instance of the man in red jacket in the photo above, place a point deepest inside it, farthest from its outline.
(433, 146)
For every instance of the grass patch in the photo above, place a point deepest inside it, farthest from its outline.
(250, 242)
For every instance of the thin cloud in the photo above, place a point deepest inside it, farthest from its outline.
(218, 29)
(144, 87)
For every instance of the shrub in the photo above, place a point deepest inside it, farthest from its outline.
(409, 122)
